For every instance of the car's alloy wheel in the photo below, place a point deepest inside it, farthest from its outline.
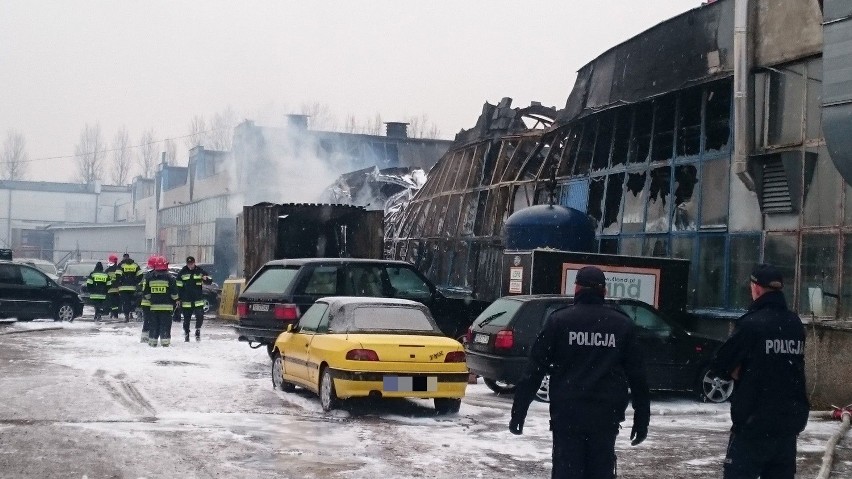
(715, 389)
(499, 387)
(543, 393)
(327, 394)
(206, 307)
(278, 381)
(447, 405)
(65, 312)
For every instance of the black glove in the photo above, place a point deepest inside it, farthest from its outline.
(516, 424)
(638, 434)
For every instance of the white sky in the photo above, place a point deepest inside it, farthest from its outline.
(158, 63)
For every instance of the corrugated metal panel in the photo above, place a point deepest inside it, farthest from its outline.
(575, 194)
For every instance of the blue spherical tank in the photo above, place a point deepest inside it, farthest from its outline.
(549, 226)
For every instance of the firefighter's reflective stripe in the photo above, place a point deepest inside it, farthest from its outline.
(179, 283)
(186, 304)
(199, 304)
(97, 296)
(162, 307)
(145, 303)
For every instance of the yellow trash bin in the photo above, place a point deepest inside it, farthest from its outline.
(231, 290)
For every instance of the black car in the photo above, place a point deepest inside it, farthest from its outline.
(284, 289)
(499, 342)
(26, 293)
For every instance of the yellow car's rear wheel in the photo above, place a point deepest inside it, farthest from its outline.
(327, 393)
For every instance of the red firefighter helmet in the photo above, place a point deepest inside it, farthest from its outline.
(113, 258)
(151, 260)
(161, 264)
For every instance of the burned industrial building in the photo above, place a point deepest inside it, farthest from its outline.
(700, 138)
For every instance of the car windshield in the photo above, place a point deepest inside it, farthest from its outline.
(400, 319)
(272, 280)
(79, 269)
(499, 313)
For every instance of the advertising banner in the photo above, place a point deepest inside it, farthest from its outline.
(621, 282)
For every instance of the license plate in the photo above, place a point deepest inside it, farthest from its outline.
(260, 307)
(408, 384)
(481, 339)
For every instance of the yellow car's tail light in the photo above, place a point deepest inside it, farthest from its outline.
(454, 357)
(362, 355)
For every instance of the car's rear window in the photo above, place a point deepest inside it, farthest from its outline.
(79, 269)
(499, 313)
(272, 280)
(390, 318)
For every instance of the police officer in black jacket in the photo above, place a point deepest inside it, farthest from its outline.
(592, 355)
(765, 356)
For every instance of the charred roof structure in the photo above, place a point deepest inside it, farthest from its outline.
(700, 138)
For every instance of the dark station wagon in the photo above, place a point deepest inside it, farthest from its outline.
(282, 290)
(499, 342)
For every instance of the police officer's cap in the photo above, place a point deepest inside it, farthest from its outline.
(190, 259)
(767, 276)
(590, 277)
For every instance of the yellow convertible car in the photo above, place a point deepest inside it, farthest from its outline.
(346, 347)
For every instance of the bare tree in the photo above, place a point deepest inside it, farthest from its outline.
(374, 126)
(14, 159)
(170, 148)
(321, 116)
(147, 159)
(422, 127)
(351, 125)
(197, 132)
(121, 157)
(221, 134)
(89, 153)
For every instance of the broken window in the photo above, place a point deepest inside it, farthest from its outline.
(476, 164)
(411, 218)
(523, 196)
(480, 212)
(502, 211)
(714, 190)
(786, 102)
(711, 271)
(603, 142)
(596, 195)
(507, 150)
(621, 137)
(685, 201)
(435, 223)
(630, 246)
(566, 163)
(745, 252)
(814, 108)
(656, 246)
(462, 172)
(822, 189)
(586, 149)
(658, 200)
(419, 229)
(412, 255)
(518, 159)
(575, 194)
(641, 141)
(489, 213)
(534, 163)
(612, 205)
(780, 250)
(491, 153)
(468, 214)
(633, 218)
(449, 169)
(718, 116)
(664, 119)
(451, 217)
(818, 278)
(473, 266)
(689, 123)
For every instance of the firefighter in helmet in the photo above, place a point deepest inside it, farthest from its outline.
(144, 302)
(190, 282)
(128, 274)
(161, 291)
(113, 299)
(97, 285)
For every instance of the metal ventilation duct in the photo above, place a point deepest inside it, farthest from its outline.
(837, 84)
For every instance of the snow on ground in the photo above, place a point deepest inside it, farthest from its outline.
(208, 409)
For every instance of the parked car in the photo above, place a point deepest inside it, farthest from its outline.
(75, 273)
(346, 347)
(42, 265)
(283, 290)
(500, 339)
(26, 293)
